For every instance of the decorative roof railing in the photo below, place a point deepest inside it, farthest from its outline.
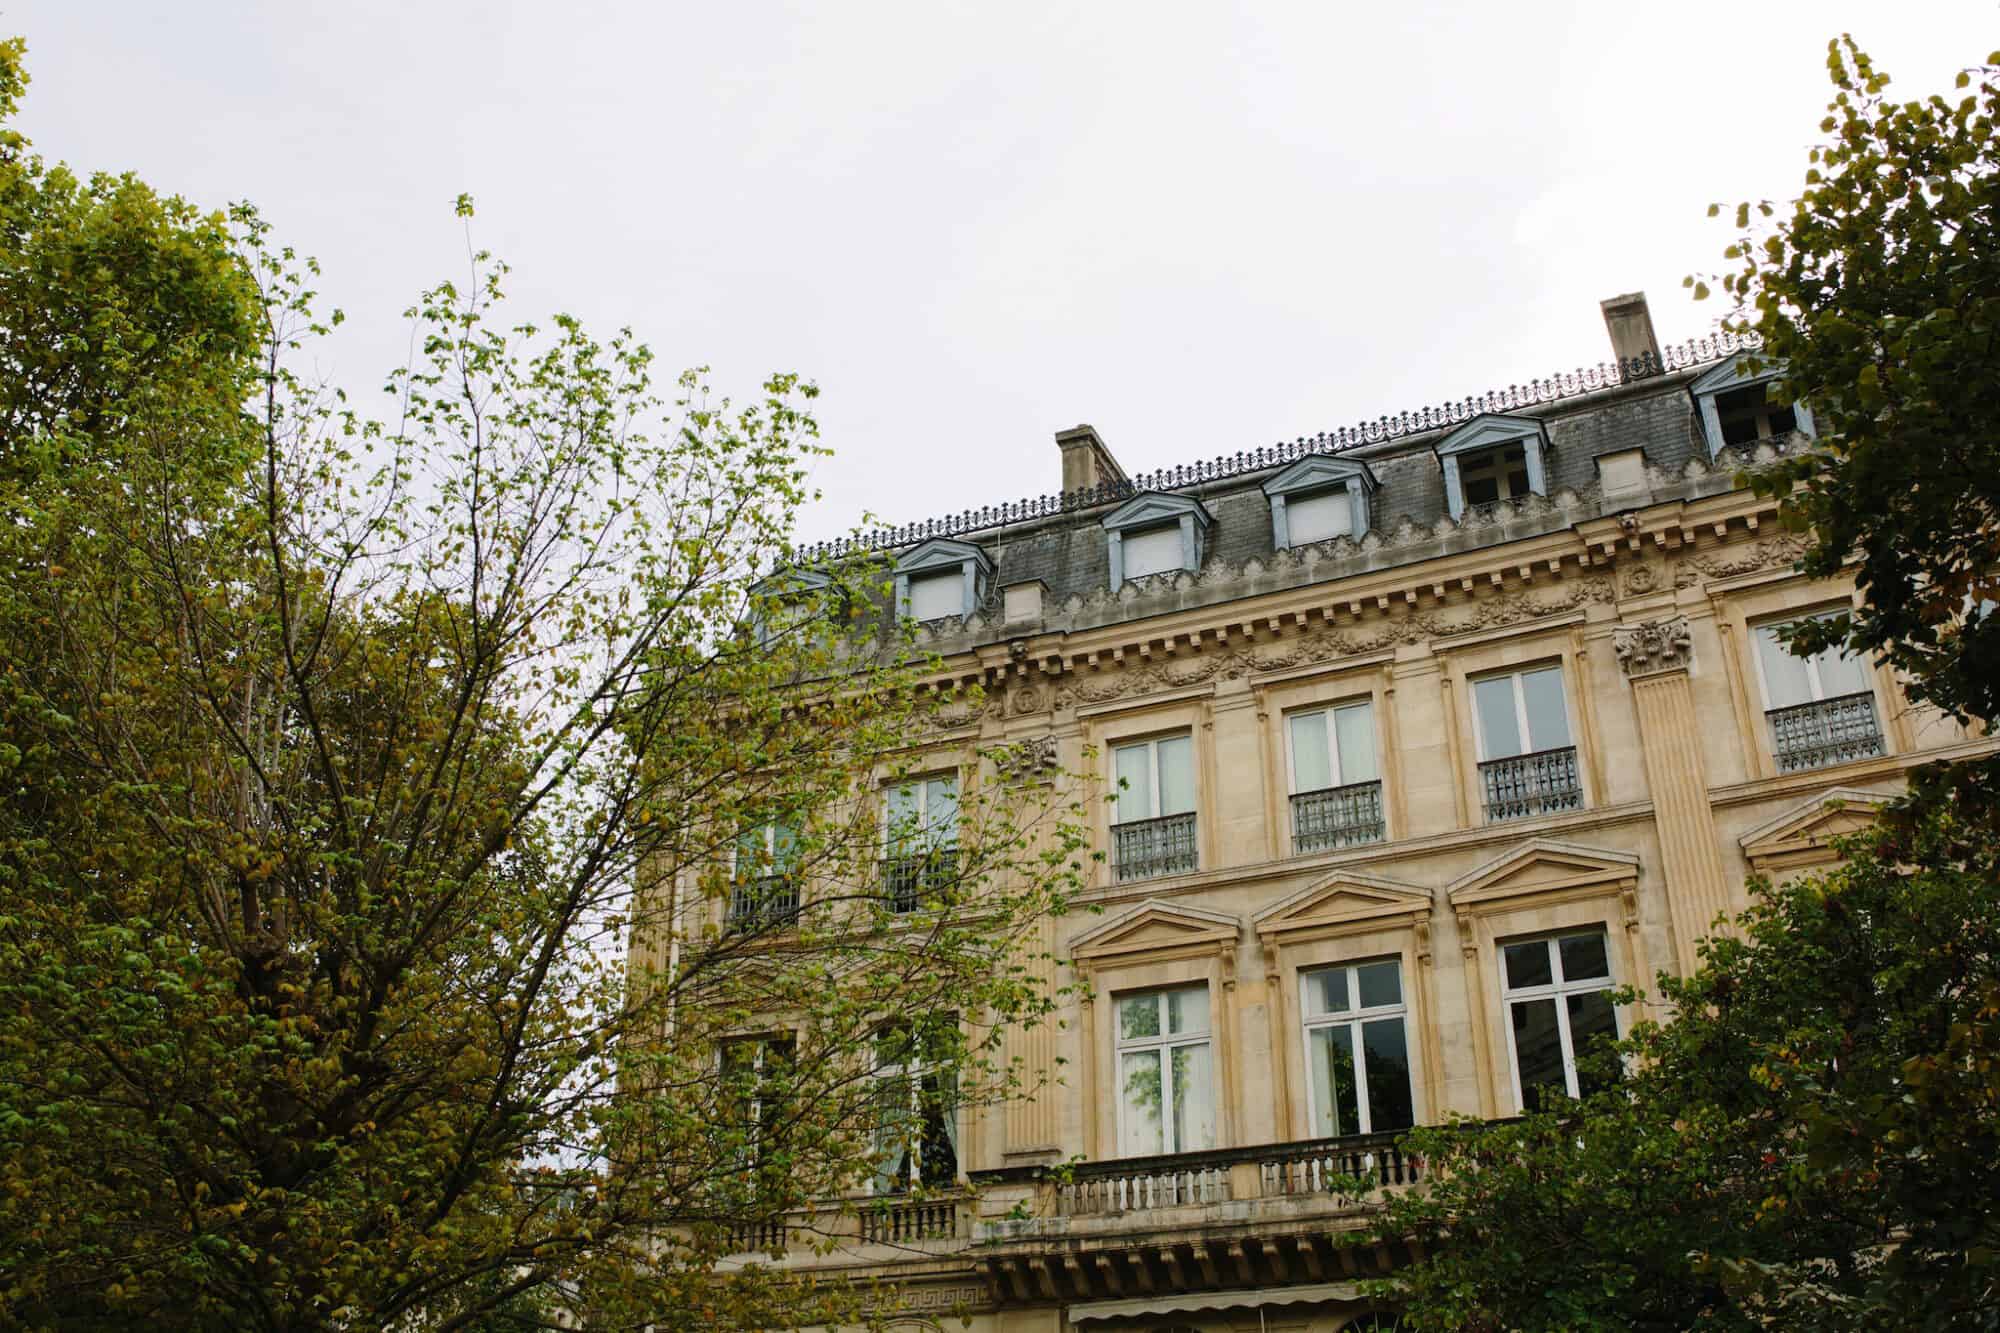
(1586, 379)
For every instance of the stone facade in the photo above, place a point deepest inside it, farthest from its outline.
(1641, 579)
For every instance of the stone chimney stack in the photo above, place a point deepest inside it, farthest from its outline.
(1087, 461)
(1631, 326)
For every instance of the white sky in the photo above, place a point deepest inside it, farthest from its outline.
(1199, 227)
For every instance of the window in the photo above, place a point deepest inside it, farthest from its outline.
(1527, 763)
(916, 1100)
(1154, 831)
(1357, 1053)
(1336, 788)
(1498, 474)
(1153, 551)
(920, 840)
(1558, 994)
(756, 1078)
(1315, 518)
(935, 596)
(1748, 415)
(1166, 1082)
(765, 891)
(1821, 709)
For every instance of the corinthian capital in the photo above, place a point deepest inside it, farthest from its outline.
(1657, 645)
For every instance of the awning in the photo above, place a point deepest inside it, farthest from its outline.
(1197, 1302)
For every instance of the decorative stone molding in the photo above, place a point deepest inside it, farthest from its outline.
(1027, 759)
(1655, 646)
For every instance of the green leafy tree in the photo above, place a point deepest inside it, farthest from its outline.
(370, 793)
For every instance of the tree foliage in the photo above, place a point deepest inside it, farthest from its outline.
(346, 764)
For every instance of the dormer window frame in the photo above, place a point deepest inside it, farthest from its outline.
(1728, 377)
(941, 556)
(1489, 433)
(1316, 476)
(785, 585)
(1154, 510)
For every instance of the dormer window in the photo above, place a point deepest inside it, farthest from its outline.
(1319, 498)
(1496, 474)
(788, 599)
(1737, 405)
(1155, 534)
(1492, 458)
(941, 579)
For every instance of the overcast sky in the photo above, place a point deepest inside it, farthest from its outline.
(1198, 227)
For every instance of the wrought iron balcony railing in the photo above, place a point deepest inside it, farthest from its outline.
(908, 880)
(1336, 817)
(763, 900)
(1147, 848)
(1524, 785)
(1826, 731)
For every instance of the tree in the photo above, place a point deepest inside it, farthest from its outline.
(1812, 1141)
(340, 761)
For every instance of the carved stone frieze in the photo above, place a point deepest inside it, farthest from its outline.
(1025, 759)
(1657, 645)
(1765, 554)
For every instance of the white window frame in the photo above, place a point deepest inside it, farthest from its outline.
(1152, 748)
(1352, 1018)
(1164, 1045)
(1514, 674)
(1327, 710)
(1492, 462)
(1558, 990)
(920, 834)
(914, 1073)
(1811, 664)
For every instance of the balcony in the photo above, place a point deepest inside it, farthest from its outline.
(930, 1224)
(910, 879)
(1824, 732)
(1525, 785)
(762, 902)
(1148, 848)
(1336, 817)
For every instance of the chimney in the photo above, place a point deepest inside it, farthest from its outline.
(1086, 460)
(1632, 339)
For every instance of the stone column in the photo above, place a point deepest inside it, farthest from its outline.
(1655, 658)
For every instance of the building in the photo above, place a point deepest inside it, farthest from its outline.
(1432, 731)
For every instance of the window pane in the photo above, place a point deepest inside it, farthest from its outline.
(941, 813)
(901, 813)
(1388, 1057)
(1591, 1019)
(937, 1131)
(1176, 775)
(1139, 1016)
(1330, 1051)
(1785, 679)
(1314, 518)
(1151, 551)
(1548, 721)
(1528, 964)
(1326, 991)
(1312, 766)
(750, 848)
(1355, 727)
(1194, 1100)
(1135, 779)
(784, 847)
(936, 595)
(1838, 673)
(1538, 1053)
(1187, 1010)
(1493, 700)
(1139, 1093)
(1583, 956)
(1381, 983)
(895, 1127)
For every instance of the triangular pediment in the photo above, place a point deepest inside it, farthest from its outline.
(1544, 866)
(941, 553)
(1319, 470)
(1343, 899)
(1155, 507)
(1153, 926)
(1489, 429)
(1729, 374)
(1804, 831)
